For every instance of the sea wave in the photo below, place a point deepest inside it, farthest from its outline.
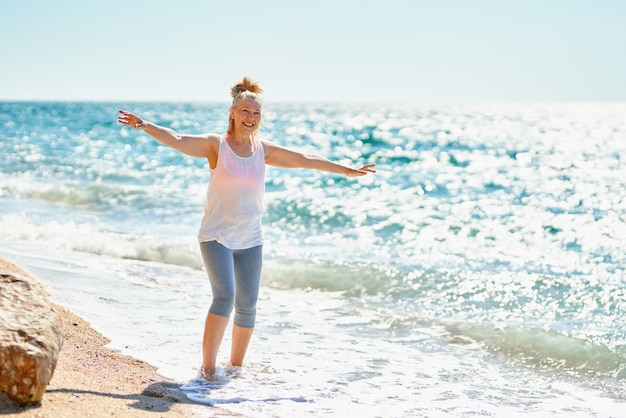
(540, 348)
(82, 237)
(88, 196)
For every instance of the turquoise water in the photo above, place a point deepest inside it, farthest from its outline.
(480, 271)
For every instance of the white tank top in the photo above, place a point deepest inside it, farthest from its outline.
(234, 202)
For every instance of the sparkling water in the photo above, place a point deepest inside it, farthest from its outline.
(480, 271)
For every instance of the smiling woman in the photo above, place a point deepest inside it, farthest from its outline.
(230, 235)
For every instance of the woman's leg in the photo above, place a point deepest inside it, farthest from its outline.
(248, 264)
(214, 328)
(241, 340)
(218, 261)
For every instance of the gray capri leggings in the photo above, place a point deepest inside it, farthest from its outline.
(235, 277)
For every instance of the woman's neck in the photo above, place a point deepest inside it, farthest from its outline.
(243, 146)
(240, 139)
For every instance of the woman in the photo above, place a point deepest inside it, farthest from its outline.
(230, 232)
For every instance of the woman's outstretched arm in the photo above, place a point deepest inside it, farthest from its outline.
(283, 157)
(201, 146)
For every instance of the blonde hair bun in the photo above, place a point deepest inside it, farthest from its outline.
(245, 85)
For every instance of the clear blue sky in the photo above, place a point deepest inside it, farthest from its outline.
(425, 51)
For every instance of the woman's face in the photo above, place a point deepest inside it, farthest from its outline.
(246, 116)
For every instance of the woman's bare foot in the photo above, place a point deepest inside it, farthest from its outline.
(206, 373)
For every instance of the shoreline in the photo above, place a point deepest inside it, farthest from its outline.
(93, 380)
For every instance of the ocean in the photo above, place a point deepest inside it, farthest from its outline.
(479, 272)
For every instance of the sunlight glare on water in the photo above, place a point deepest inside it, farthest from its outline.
(479, 272)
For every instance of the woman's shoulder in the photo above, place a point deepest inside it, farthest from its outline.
(213, 137)
(213, 140)
(207, 137)
(268, 145)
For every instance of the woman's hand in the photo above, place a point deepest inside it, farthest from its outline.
(355, 172)
(134, 121)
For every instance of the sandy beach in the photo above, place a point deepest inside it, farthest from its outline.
(91, 380)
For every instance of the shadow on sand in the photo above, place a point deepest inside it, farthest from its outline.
(157, 397)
